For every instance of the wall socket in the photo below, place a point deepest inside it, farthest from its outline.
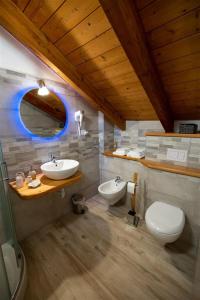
(177, 155)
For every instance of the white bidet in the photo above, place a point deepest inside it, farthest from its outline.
(112, 190)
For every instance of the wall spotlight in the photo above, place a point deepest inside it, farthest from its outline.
(43, 90)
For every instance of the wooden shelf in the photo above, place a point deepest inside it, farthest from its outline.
(109, 153)
(160, 165)
(173, 134)
(47, 186)
(171, 168)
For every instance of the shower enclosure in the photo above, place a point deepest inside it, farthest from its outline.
(12, 263)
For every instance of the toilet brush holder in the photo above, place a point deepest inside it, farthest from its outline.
(132, 218)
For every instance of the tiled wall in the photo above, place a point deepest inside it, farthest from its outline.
(20, 150)
(178, 190)
(134, 135)
(156, 149)
(108, 135)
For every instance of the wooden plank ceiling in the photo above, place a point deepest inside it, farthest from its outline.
(134, 42)
(173, 31)
(82, 32)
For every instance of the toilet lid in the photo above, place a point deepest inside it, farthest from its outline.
(165, 218)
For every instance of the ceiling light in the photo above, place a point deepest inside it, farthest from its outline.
(43, 90)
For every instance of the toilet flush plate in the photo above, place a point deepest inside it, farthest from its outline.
(177, 154)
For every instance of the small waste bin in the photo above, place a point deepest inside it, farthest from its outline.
(78, 203)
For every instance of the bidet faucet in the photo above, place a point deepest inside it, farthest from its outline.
(118, 179)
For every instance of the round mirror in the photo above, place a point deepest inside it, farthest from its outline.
(43, 116)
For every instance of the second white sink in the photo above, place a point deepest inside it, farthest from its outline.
(60, 169)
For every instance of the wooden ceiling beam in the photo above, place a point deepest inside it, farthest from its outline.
(15, 21)
(127, 24)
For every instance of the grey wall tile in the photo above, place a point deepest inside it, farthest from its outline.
(177, 190)
(20, 151)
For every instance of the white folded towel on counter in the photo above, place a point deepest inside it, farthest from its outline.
(121, 151)
(136, 153)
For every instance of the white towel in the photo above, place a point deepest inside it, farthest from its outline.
(136, 153)
(121, 151)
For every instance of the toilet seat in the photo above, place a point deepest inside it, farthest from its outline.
(164, 219)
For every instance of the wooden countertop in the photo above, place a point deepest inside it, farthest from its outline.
(47, 186)
(194, 172)
(173, 134)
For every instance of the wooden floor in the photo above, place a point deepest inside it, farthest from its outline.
(98, 256)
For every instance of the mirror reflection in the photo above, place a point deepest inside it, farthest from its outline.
(44, 116)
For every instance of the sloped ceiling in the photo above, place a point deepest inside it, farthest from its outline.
(82, 33)
(173, 31)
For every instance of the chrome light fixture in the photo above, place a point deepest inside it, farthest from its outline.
(43, 90)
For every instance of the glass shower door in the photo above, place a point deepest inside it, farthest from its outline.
(10, 264)
(4, 285)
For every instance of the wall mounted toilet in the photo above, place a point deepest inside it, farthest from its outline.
(165, 222)
(112, 190)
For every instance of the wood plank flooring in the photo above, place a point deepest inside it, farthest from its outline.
(99, 256)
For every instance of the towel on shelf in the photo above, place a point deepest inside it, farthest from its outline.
(136, 153)
(121, 151)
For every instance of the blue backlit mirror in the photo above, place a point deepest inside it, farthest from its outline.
(43, 115)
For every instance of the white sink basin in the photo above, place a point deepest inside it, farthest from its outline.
(60, 169)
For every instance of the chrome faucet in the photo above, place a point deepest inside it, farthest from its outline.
(52, 158)
(118, 179)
